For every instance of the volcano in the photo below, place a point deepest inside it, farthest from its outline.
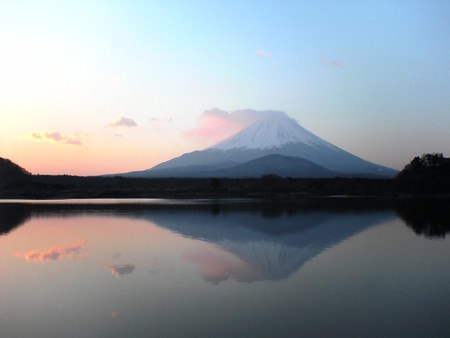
(273, 145)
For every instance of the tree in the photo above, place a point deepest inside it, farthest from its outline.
(429, 173)
(427, 162)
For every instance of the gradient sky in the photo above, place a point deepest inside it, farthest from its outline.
(95, 87)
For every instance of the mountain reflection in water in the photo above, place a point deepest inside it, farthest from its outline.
(271, 240)
(272, 247)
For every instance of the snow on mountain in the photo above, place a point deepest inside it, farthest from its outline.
(273, 130)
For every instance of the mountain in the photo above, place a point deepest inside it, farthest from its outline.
(274, 133)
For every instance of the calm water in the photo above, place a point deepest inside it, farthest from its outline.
(236, 269)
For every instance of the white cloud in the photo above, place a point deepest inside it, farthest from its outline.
(331, 62)
(123, 122)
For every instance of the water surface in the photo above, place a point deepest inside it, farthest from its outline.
(223, 269)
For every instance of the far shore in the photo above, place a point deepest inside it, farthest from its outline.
(63, 187)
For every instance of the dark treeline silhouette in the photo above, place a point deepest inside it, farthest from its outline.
(45, 187)
(12, 175)
(425, 175)
(429, 173)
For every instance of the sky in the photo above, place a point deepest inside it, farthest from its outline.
(96, 87)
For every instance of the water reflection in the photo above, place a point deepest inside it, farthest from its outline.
(13, 215)
(430, 218)
(261, 247)
(119, 270)
(54, 253)
(222, 269)
(250, 241)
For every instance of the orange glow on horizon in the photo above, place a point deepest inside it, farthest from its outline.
(46, 158)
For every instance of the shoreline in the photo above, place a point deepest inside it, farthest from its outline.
(268, 187)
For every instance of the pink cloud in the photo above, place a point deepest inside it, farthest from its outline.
(37, 135)
(57, 137)
(215, 125)
(123, 122)
(212, 129)
(54, 253)
(263, 53)
(330, 62)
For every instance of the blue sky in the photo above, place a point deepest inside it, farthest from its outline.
(372, 77)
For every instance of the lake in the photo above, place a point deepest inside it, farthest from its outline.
(236, 268)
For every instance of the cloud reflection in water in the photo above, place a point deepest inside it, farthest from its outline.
(215, 265)
(119, 270)
(54, 253)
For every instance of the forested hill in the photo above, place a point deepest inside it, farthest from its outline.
(427, 174)
(11, 173)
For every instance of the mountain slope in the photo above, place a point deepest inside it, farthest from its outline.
(274, 134)
(275, 164)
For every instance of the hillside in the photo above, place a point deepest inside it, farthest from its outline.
(11, 173)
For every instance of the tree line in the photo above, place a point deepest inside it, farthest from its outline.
(428, 174)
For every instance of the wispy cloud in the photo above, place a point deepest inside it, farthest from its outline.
(54, 253)
(333, 63)
(123, 122)
(57, 137)
(263, 53)
(161, 125)
(159, 120)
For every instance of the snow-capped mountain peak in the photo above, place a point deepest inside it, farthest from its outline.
(274, 144)
(273, 130)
